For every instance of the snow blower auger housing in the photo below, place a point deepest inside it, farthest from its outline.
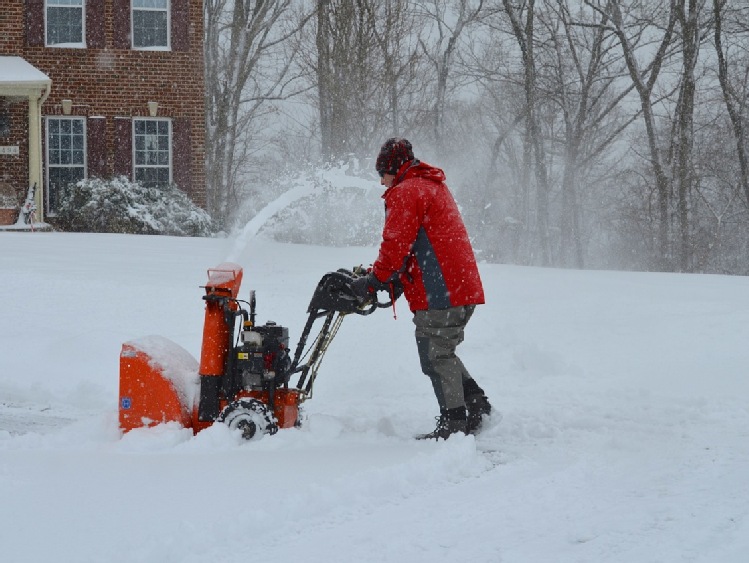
(243, 378)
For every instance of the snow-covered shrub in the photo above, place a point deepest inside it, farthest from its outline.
(120, 206)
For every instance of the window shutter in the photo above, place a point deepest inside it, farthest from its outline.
(96, 146)
(35, 23)
(180, 25)
(121, 21)
(123, 147)
(182, 154)
(95, 25)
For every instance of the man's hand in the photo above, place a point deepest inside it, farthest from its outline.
(364, 286)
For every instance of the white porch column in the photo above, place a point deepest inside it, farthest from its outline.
(35, 154)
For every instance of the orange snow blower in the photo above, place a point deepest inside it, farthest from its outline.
(243, 378)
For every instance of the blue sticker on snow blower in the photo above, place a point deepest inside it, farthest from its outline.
(126, 403)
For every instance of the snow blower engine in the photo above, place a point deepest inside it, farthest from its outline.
(243, 378)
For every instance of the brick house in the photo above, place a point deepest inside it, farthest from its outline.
(123, 95)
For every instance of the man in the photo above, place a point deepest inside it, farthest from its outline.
(425, 247)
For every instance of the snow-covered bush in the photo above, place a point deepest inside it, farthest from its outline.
(120, 206)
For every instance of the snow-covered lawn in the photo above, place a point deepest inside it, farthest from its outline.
(624, 434)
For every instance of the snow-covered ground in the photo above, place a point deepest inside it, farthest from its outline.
(624, 434)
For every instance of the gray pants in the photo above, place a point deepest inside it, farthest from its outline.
(438, 333)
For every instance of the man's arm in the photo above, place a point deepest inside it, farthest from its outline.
(403, 218)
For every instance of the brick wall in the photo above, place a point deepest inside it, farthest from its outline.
(11, 27)
(15, 167)
(109, 84)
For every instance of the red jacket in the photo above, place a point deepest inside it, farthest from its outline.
(424, 239)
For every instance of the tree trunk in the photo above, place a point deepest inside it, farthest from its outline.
(525, 38)
(644, 90)
(730, 101)
(689, 21)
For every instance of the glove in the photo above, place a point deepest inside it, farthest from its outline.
(360, 270)
(364, 287)
(396, 289)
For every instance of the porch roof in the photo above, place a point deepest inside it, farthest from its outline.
(18, 77)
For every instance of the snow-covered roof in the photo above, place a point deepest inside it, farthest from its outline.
(18, 77)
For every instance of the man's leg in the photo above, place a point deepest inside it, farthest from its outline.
(438, 334)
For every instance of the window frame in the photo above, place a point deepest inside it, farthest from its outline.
(170, 139)
(82, 8)
(168, 10)
(84, 165)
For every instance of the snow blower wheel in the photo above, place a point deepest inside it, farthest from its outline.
(250, 416)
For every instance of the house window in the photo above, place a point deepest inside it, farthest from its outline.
(65, 22)
(152, 151)
(66, 157)
(150, 24)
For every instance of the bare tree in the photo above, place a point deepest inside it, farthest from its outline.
(366, 66)
(502, 191)
(688, 15)
(243, 48)
(346, 67)
(644, 80)
(451, 20)
(343, 41)
(524, 32)
(397, 37)
(583, 80)
(681, 36)
(735, 101)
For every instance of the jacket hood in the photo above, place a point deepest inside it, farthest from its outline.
(418, 169)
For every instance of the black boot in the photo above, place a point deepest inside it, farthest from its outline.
(451, 421)
(477, 404)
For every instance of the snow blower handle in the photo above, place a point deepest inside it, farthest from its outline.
(392, 287)
(334, 293)
(365, 290)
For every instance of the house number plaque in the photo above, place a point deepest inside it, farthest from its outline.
(11, 150)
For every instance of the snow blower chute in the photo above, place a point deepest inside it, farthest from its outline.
(243, 378)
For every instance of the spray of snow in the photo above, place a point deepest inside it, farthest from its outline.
(252, 228)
